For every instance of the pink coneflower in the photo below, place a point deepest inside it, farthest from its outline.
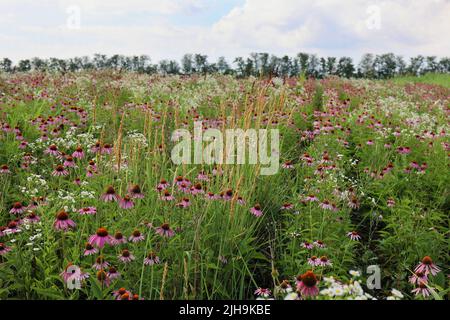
(311, 198)
(151, 259)
(417, 277)
(228, 195)
(4, 249)
(109, 195)
(306, 284)
(307, 245)
(113, 273)
(165, 231)
(163, 184)
(73, 272)
(211, 196)
(33, 217)
(183, 187)
(319, 244)
(422, 289)
(89, 250)
(4, 169)
(197, 188)
(62, 221)
(52, 150)
(403, 150)
(135, 192)
(369, 142)
(256, 210)
(106, 149)
(100, 238)
(167, 196)
(96, 147)
(118, 239)
(263, 292)
(240, 200)
(60, 171)
(185, 202)
(353, 235)
(79, 154)
(126, 256)
(69, 163)
(87, 211)
(287, 165)
(92, 166)
(136, 236)
(12, 228)
(179, 180)
(126, 202)
(324, 261)
(17, 208)
(103, 278)
(119, 293)
(202, 176)
(314, 261)
(427, 266)
(326, 205)
(287, 206)
(77, 181)
(353, 203)
(390, 202)
(100, 263)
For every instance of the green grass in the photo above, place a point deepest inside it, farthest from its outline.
(429, 78)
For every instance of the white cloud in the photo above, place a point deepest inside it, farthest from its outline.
(325, 27)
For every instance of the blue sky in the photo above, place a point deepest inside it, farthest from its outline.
(170, 28)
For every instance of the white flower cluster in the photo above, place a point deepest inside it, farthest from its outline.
(137, 138)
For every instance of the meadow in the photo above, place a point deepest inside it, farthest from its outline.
(92, 206)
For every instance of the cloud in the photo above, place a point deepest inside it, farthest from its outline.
(161, 30)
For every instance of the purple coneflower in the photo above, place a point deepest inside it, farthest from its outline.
(87, 211)
(307, 245)
(33, 217)
(100, 238)
(4, 169)
(427, 266)
(287, 206)
(113, 273)
(89, 250)
(52, 150)
(165, 231)
(62, 221)
(326, 205)
(263, 292)
(60, 171)
(202, 176)
(422, 289)
(96, 147)
(163, 184)
(79, 154)
(109, 195)
(311, 198)
(12, 228)
(324, 261)
(126, 256)
(390, 202)
(287, 165)
(353, 235)
(319, 244)
(228, 195)
(100, 263)
(106, 149)
(197, 188)
(4, 249)
(151, 259)
(135, 192)
(314, 261)
(119, 293)
(118, 239)
(306, 284)
(418, 276)
(256, 210)
(126, 202)
(185, 202)
(103, 278)
(17, 208)
(167, 196)
(136, 236)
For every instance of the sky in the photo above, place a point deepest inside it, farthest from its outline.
(166, 29)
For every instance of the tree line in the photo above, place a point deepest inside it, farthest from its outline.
(380, 66)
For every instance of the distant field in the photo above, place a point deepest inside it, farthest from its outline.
(430, 78)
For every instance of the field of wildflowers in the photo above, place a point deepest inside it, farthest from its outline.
(92, 206)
